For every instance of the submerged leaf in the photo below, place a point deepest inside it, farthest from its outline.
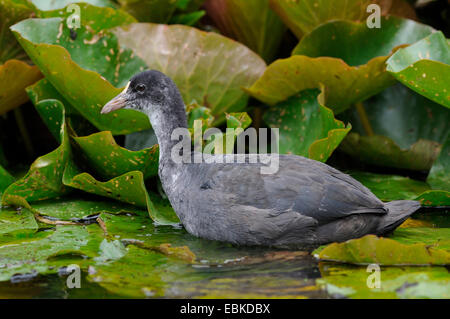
(307, 128)
(425, 67)
(206, 67)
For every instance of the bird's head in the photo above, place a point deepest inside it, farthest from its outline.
(149, 92)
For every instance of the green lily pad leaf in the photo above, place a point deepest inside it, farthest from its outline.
(435, 198)
(206, 67)
(345, 81)
(93, 17)
(384, 251)
(60, 4)
(305, 15)
(43, 90)
(44, 178)
(419, 156)
(107, 159)
(250, 22)
(30, 257)
(78, 209)
(11, 12)
(17, 223)
(357, 44)
(439, 176)
(158, 11)
(307, 128)
(343, 84)
(49, 44)
(425, 67)
(429, 236)
(128, 188)
(15, 76)
(6, 179)
(391, 187)
(416, 141)
(396, 282)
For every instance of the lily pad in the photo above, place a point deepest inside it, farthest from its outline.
(343, 84)
(307, 128)
(33, 255)
(395, 282)
(15, 76)
(385, 251)
(431, 236)
(357, 44)
(108, 160)
(416, 141)
(82, 209)
(425, 67)
(15, 73)
(6, 179)
(206, 67)
(128, 188)
(250, 22)
(305, 15)
(391, 187)
(49, 44)
(17, 223)
(91, 16)
(44, 178)
(435, 198)
(158, 11)
(60, 4)
(439, 176)
(11, 12)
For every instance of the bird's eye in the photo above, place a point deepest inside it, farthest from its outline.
(140, 87)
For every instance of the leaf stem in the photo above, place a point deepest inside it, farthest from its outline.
(364, 118)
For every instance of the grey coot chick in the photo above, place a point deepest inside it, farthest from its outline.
(305, 203)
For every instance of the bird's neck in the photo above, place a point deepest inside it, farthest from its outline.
(164, 124)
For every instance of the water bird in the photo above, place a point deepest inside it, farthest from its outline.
(304, 204)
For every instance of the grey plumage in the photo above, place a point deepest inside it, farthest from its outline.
(306, 203)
